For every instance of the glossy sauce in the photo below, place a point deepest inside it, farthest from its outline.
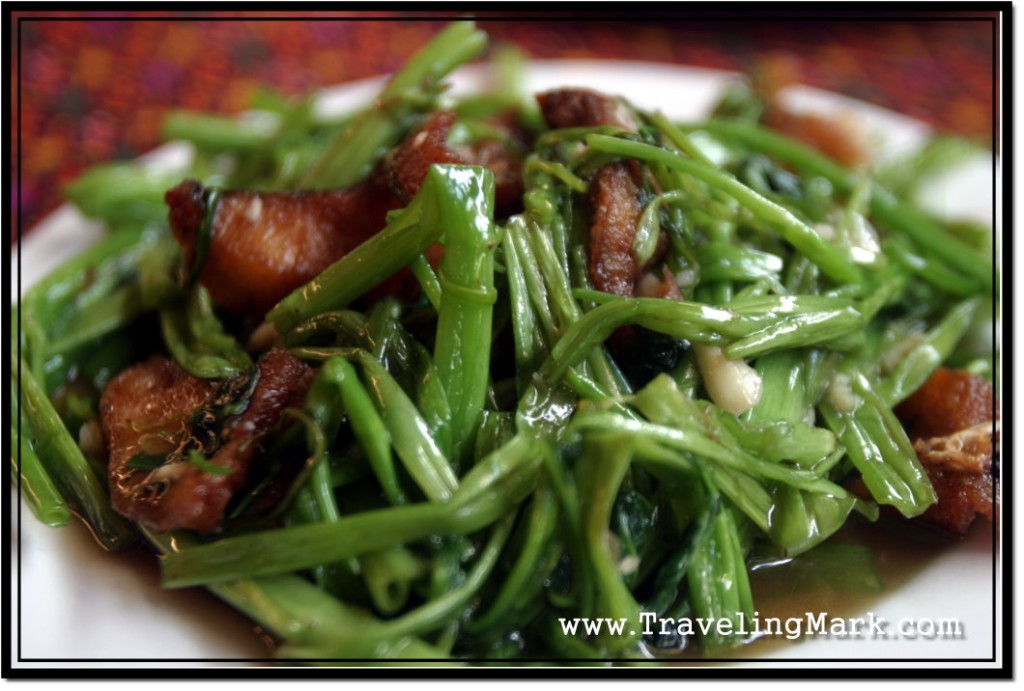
(897, 553)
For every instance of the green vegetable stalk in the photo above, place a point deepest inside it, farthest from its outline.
(349, 158)
(462, 351)
(52, 443)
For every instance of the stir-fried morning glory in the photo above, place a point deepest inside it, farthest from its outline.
(426, 379)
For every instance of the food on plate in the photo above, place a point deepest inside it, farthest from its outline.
(952, 423)
(263, 245)
(500, 150)
(432, 379)
(179, 447)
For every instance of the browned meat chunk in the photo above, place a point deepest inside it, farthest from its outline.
(615, 206)
(563, 108)
(614, 192)
(960, 468)
(155, 416)
(838, 136)
(506, 162)
(264, 245)
(408, 164)
(950, 401)
(950, 419)
(614, 196)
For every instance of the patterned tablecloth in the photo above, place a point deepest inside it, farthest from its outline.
(91, 87)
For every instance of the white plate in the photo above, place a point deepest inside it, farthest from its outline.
(78, 606)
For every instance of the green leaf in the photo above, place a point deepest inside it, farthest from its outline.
(199, 460)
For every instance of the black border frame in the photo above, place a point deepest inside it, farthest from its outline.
(996, 12)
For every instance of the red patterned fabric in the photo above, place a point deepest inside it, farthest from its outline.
(89, 87)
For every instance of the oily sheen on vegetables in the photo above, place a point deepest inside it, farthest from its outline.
(427, 379)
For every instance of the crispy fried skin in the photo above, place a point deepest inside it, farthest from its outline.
(960, 468)
(264, 245)
(951, 400)
(614, 197)
(614, 192)
(506, 163)
(148, 408)
(584, 108)
(950, 419)
(408, 164)
(838, 136)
